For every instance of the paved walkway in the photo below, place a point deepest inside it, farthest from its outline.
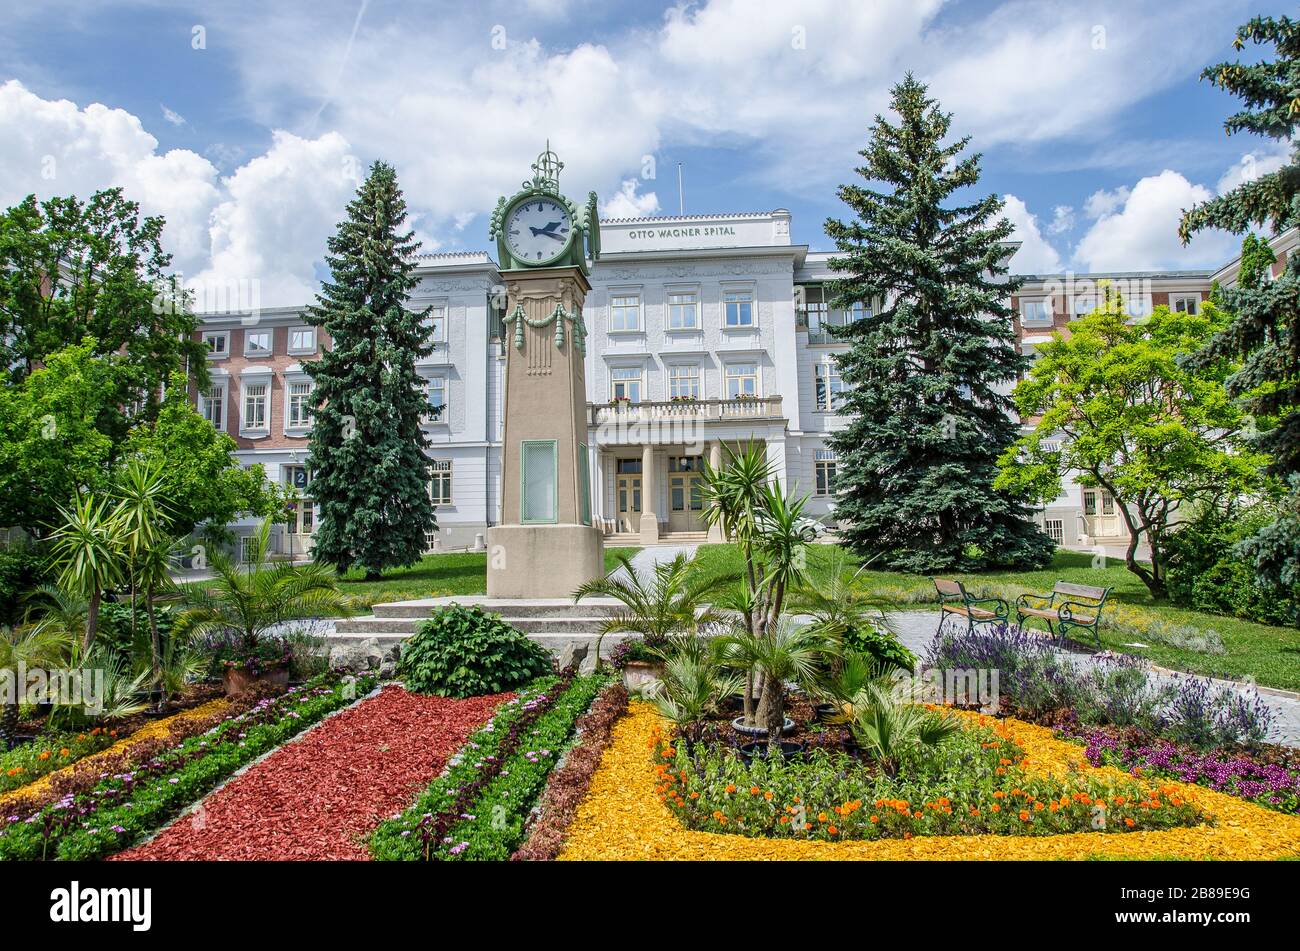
(917, 628)
(644, 561)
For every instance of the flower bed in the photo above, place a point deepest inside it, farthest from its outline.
(28, 762)
(623, 818)
(116, 756)
(478, 809)
(319, 797)
(570, 782)
(125, 806)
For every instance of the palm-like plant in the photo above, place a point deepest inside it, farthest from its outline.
(672, 600)
(28, 646)
(852, 673)
(249, 600)
(139, 516)
(693, 685)
(88, 549)
(831, 592)
(890, 730)
(785, 652)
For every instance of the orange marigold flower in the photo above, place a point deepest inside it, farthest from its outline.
(768, 795)
(832, 830)
(821, 817)
(45, 754)
(1130, 823)
(731, 787)
(1024, 815)
(753, 790)
(875, 818)
(995, 808)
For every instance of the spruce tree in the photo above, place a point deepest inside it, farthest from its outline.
(370, 473)
(930, 366)
(1265, 334)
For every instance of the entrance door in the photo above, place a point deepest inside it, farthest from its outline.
(1102, 517)
(302, 513)
(685, 501)
(628, 490)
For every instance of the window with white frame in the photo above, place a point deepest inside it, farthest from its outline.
(828, 386)
(738, 308)
(825, 463)
(1055, 530)
(299, 404)
(1185, 303)
(860, 310)
(436, 321)
(624, 311)
(218, 343)
(683, 310)
(436, 389)
(257, 397)
(440, 482)
(212, 405)
(1036, 312)
(257, 343)
(684, 381)
(302, 339)
(814, 307)
(626, 384)
(742, 381)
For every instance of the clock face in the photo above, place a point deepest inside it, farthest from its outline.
(538, 230)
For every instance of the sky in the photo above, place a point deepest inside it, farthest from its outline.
(249, 125)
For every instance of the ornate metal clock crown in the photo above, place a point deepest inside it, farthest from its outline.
(585, 246)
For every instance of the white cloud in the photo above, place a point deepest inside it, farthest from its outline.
(172, 116)
(1036, 255)
(1062, 219)
(1103, 202)
(627, 203)
(1252, 165)
(1141, 232)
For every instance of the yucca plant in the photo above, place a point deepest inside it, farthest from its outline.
(89, 552)
(786, 652)
(672, 600)
(692, 688)
(28, 646)
(890, 730)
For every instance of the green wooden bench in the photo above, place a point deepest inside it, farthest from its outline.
(1067, 607)
(956, 601)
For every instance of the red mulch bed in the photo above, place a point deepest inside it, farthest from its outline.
(319, 797)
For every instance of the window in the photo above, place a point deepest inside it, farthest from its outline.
(1055, 530)
(816, 311)
(257, 343)
(829, 386)
(299, 405)
(302, 339)
(627, 384)
(1185, 303)
(860, 311)
(440, 482)
(538, 471)
(683, 310)
(256, 396)
(584, 485)
(738, 308)
(1090, 499)
(742, 381)
(1036, 311)
(1084, 304)
(825, 463)
(624, 312)
(218, 344)
(212, 405)
(684, 381)
(436, 389)
(437, 323)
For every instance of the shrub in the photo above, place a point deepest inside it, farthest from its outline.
(884, 647)
(23, 568)
(463, 652)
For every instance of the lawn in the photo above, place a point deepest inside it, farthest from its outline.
(1271, 655)
(435, 576)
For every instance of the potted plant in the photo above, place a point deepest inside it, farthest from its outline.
(244, 608)
(639, 664)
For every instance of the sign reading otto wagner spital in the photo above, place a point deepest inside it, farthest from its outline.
(546, 544)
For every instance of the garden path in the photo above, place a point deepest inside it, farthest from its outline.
(917, 628)
(645, 560)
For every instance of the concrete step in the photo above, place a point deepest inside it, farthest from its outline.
(511, 607)
(385, 641)
(529, 625)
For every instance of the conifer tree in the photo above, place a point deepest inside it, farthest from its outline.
(1265, 334)
(933, 355)
(370, 474)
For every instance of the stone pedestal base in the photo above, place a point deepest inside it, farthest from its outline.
(542, 561)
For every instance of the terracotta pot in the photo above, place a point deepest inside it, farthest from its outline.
(639, 673)
(237, 680)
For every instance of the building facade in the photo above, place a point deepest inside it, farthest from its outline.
(702, 332)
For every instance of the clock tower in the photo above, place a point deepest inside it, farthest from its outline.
(546, 544)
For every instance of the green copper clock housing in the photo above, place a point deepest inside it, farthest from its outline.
(582, 246)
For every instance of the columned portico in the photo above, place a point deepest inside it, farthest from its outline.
(649, 520)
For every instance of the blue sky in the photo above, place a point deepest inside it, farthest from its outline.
(247, 124)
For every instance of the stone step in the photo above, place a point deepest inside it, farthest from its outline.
(375, 650)
(511, 607)
(406, 626)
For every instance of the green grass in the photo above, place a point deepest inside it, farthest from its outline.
(435, 576)
(1271, 655)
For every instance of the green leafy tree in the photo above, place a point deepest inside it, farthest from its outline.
(1117, 403)
(370, 473)
(927, 420)
(202, 481)
(71, 269)
(53, 437)
(1265, 334)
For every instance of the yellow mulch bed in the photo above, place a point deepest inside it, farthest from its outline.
(149, 731)
(622, 819)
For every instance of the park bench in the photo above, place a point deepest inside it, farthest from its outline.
(1067, 606)
(956, 601)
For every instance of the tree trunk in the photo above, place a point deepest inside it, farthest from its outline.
(373, 575)
(92, 621)
(775, 714)
(749, 696)
(155, 643)
(773, 695)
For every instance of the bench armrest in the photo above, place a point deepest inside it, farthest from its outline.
(1001, 609)
(1044, 601)
(1066, 609)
